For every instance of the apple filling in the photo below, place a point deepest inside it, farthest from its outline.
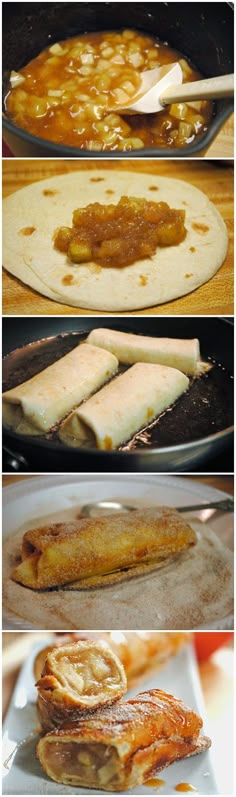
(90, 765)
(87, 674)
(81, 675)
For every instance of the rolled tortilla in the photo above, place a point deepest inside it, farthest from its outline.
(66, 552)
(138, 651)
(78, 678)
(130, 349)
(38, 404)
(123, 407)
(120, 747)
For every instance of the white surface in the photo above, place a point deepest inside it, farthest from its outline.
(22, 773)
(41, 496)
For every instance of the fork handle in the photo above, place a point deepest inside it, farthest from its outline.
(212, 88)
(227, 505)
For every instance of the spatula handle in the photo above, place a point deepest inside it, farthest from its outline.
(212, 88)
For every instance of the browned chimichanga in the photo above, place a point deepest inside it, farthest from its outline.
(138, 651)
(120, 747)
(92, 552)
(78, 678)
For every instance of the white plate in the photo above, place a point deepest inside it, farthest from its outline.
(41, 496)
(22, 773)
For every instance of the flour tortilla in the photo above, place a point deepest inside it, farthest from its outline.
(38, 404)
(124, 406)
(129, 349)
(173, 271)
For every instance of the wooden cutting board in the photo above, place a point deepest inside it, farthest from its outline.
(215, 178)
(223, 144)
(225, 483)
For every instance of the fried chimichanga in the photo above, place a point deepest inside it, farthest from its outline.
(38, 404)
(130, 349)
(129, 403)
(138, 651)
(77, 678)
(119, 748)
(86, 550)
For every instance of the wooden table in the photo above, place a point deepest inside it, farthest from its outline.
(223, 144)
(225, 483)
(214, 178)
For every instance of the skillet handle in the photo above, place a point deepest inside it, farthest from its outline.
(13, 462)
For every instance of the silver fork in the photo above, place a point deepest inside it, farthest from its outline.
(111, 507)
(225, 505)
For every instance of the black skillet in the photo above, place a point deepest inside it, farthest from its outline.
(201, 31)
(197, 428)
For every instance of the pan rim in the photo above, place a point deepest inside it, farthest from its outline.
(137, 452)
(61, 150)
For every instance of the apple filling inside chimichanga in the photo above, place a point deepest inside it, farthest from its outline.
(138, 651)
(78, 677)
(120, 747)
(93, 765)
(99, 766)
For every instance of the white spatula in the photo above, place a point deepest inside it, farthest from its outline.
(162, 86)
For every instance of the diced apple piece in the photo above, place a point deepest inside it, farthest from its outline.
(185, 131)
(196, 105)
(178, 110)
(186, 68)
(79, 251)
(16, 79)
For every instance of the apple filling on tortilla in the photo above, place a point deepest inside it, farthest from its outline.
(119, 235)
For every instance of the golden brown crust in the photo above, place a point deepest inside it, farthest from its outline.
(106, 580)
(95, 547)
(145, 735)
(138, 651)
(77, 678)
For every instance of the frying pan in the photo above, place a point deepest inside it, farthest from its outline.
(201, 31)
(216, 340)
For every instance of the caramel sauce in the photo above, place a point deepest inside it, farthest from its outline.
(185, 787)
(155, 783)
